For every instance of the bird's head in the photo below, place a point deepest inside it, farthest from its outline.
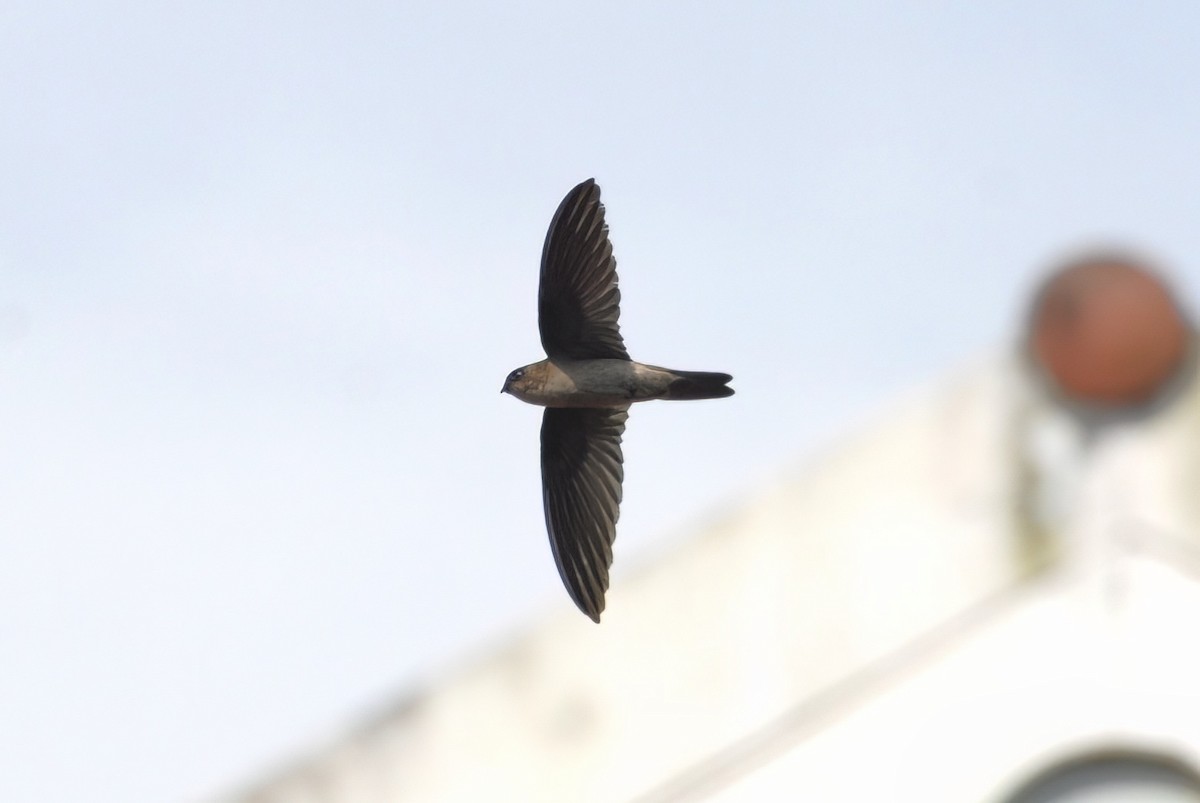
(515, 381)
(525, 382)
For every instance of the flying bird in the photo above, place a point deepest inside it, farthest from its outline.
(587, 384)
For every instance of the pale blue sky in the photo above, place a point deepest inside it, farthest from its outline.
(264, 267)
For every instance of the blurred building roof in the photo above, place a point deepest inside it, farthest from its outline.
(945, 606)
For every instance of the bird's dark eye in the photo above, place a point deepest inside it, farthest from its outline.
(517, 374)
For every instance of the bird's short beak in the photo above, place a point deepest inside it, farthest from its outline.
(504, 388)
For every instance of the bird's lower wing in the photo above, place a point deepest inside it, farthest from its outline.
(581, 493)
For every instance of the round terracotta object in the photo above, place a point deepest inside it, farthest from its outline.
(1108, 332)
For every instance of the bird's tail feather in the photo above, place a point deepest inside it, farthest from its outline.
(698, 385)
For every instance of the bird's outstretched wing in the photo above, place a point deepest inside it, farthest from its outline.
(578, 299)
(581, 492)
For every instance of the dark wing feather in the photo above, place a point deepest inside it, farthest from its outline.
(578, 299)
(581, 492)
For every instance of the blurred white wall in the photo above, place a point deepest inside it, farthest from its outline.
(967, 592)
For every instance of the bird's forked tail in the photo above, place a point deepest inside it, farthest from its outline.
(698, 385)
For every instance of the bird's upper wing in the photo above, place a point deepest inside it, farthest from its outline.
(578, 299)
(581, 492)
